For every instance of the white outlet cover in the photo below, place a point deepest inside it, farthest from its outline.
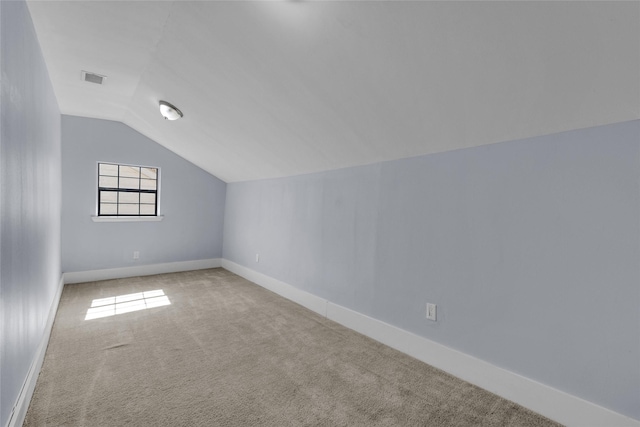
(431, 311)
(257, 257)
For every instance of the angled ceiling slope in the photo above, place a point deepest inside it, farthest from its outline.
(274, 89)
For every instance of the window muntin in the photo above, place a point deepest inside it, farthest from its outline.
(125, 190)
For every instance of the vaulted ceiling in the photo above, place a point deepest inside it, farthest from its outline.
(274, 89)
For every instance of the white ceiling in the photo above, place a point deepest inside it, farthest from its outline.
(274, 89)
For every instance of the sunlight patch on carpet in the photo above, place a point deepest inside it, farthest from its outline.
(110, 306)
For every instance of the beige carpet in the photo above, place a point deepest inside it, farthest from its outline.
(226, 352)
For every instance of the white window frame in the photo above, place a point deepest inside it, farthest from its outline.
(126, 218)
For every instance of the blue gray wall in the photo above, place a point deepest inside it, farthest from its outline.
(530, 248)
(29, 199)
(191, 200)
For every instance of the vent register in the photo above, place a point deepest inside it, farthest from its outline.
(90, 77)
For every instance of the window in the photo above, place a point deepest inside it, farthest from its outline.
(125, 190)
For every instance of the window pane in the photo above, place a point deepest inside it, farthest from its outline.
(130, 171)
(147, 198)
(108, 197)
(107, 169)
(108, 182)
(147, 209)
(108, 209)
(150, 173)
(129, 197)
(124, 209)
(129, 183)
(147, 184)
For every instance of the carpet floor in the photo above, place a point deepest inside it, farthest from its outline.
(209, 348)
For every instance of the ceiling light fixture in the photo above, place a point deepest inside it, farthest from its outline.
(169, 111)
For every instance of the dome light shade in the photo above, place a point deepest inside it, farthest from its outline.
(169, 111)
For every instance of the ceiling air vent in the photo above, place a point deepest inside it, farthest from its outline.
(93, 77)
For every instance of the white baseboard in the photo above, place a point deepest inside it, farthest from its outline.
(139, 270)
(24, 398)
(543, 399)
(305, 299)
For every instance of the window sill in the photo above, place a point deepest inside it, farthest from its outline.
(127, 218)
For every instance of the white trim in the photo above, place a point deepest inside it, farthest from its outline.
(543, 399)
(139, 270)
(95, 218)
(305, 299)
(16, 419)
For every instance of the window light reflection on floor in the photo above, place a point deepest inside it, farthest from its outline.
(105, 307)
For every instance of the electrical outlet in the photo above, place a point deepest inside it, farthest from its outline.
(257, 257)
(136, 254)
(431, 311)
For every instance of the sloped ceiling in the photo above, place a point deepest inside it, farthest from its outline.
(274, 89)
